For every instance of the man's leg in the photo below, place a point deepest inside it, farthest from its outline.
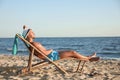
(66, 54)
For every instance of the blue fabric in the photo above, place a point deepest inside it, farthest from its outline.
(15, 46)
(54, 55)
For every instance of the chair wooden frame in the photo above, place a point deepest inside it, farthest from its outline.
(30, 67)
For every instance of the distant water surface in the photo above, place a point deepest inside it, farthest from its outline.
(105, 47)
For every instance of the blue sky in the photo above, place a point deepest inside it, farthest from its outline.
(60, 18)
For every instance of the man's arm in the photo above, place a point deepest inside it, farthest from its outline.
(42, 48)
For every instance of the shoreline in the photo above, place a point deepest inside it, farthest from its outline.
(20, 55)
(101, 70)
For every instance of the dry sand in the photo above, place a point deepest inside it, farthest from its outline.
(100, 70)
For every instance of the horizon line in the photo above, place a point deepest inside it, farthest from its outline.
(66, 36)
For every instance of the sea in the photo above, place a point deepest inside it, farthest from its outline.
(105, 47)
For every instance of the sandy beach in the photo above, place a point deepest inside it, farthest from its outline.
(100, 70)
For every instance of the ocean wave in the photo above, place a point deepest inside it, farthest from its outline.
(109, 48)
(77, 45)
(19, 50)
(64, 49)
(109, 53)
(9, 49)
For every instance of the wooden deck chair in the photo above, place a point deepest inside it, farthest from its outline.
(30, 67)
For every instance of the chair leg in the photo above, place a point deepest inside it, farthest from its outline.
(82, 66)
(78, 66)
(30, 60)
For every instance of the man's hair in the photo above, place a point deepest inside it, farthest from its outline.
(24, 26)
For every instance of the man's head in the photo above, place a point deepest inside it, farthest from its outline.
(24, 26)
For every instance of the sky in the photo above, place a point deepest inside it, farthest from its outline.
(61, 18)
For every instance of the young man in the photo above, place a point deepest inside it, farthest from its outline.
(55, 55)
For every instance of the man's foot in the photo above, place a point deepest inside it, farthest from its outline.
(94, 59)
(93, 55)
